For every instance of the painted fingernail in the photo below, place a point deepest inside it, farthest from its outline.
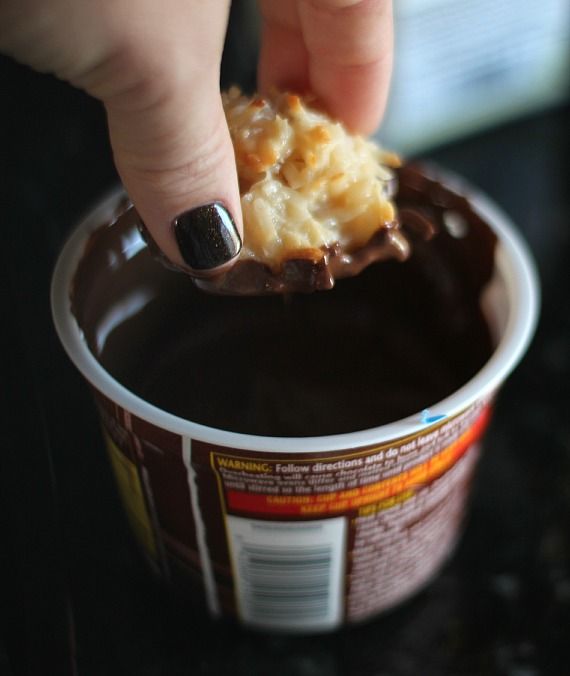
(207, 236)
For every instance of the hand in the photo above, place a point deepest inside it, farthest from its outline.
(155, 66)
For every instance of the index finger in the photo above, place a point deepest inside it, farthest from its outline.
(339, 49)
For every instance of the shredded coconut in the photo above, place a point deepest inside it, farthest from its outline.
(305, 182)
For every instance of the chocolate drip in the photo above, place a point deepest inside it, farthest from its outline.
(310, 270)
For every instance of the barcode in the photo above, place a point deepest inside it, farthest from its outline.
(288, 575)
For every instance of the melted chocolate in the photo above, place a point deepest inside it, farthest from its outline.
(312, 270)
(382, 345)
(308, 270)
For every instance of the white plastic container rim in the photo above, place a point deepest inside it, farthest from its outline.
(515, 266)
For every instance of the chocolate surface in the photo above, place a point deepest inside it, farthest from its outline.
(385, 344)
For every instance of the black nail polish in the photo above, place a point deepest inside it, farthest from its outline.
(207, 236)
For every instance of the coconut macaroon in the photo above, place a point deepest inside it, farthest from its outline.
(305, 182)
(316, 200)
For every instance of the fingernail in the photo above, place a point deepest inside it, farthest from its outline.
(207, 236)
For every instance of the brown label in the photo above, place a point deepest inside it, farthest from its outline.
(301, 541)
(375, 522)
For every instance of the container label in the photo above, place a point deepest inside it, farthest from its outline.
(363, 481)
(297, 541)
(379, 522)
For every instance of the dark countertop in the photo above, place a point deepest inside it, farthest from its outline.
(79, 599)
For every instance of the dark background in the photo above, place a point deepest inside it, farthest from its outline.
(76, 598)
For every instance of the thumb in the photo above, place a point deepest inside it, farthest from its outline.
(174, 154)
